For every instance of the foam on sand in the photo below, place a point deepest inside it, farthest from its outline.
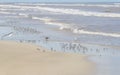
(26, 59)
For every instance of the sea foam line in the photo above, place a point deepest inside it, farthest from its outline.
(24, 15)
(79, 12)
(68, 11)
(50, 21)
(84, 5)
(4, 12)
(96, 33)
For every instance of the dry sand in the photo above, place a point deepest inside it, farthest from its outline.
(27, 59)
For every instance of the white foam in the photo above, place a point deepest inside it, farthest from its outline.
(4, 12)
(51, 21)
(79, 12)
(44, 19)
(22, 14)
(95, 33)
(99, 5)
(9, 6)
(61, 25)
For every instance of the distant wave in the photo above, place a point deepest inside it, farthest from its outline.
(20, 14)
(79, 12)
(67, 11)
(9, 6)
(1, 9)
(100, 5)
(88, 5)
(81, 4)
(4, 12)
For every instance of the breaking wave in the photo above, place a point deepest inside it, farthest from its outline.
(79, 12)
(50, 21)
(63, 26)
(96, 33)
(4, 12)
(66, 11)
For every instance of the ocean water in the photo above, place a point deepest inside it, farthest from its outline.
(89, 23)
(85, 28)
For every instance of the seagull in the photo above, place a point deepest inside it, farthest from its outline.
(9, 35)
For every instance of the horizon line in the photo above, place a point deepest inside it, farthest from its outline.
(60, 2)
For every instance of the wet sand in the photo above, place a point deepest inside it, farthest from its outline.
(27, 59)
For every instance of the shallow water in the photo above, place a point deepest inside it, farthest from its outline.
(107, 65)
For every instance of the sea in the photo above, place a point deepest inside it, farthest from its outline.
(84, 28)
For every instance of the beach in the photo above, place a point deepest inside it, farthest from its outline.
(27, 59)
(59, 38)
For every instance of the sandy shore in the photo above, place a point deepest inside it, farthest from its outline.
(27, 59)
